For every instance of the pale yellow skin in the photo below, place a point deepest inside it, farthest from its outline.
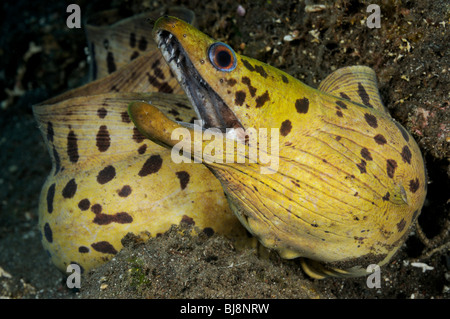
(350, 181)
(108, 180)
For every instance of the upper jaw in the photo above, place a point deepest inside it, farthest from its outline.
(209, 106)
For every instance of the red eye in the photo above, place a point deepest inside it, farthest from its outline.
(222, 57)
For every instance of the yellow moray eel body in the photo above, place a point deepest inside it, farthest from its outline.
(107, 179)
(350, 180)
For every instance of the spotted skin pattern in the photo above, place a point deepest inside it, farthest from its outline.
(108, 180)
(351, 181)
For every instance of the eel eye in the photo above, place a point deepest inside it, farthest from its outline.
(222, 57)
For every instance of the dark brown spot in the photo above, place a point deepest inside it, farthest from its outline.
(142, 149)
(231, 82)
(239, 98)
(365, 153)
(401, 225)
(83, 249)
(96, 208)
(137, 136)
(104, 247)
(134, 55)
(151, 165)
(165, 88)
(302, 105)
(341, 104)
(132, 39)
(50, 197)
(285, 128)
(102, 112)
(158, 72)
(57, 160)
(260, 69)
(251, 88)
(260, 100)
(125, 117)
(125, 191)
(403, 131)
(70, 189)
(156, 64)
(363, 95)
(248, 65)
(184, 178)
(295, 183)
(103, 140)
(344, 96)
(72, 147)
(380, 139)
(106, 174)
(187, 220)
(339, 113)
(48, 233)
(123, 218)
(110, 63)
(414, 185)
(174, 112)
(50, 132)
(120, 218)
(284, 79)
(390, 167)
(371, 120)
(208, 231)
(84, 204)
(142, 45)
(406, 154)
(362, 166)
(161, 86)
(387, 196)
(338, 138)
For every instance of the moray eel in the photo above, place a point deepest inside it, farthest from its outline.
(107, 180)
(349, 182)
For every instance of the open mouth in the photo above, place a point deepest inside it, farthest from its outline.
(207, 103)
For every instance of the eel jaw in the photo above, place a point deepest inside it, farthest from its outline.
(207, 103)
